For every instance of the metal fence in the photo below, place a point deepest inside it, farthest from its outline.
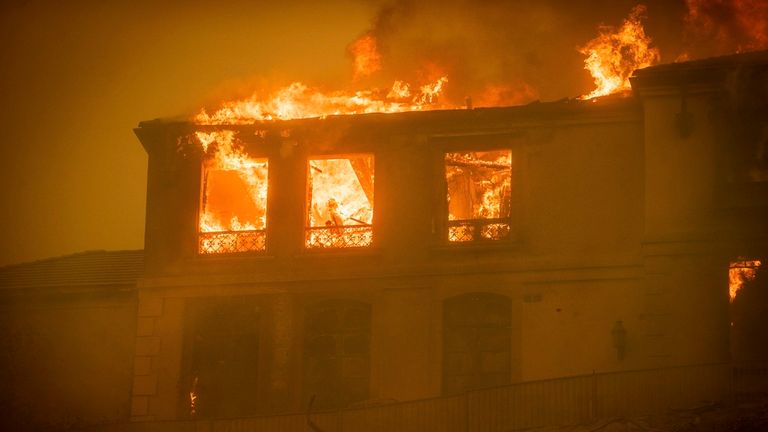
(561, 401)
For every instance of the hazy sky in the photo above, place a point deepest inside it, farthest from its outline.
(78, 76)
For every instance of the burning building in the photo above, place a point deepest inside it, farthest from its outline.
(447, 269)
(346, 261)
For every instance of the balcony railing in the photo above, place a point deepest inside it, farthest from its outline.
(222, 242)
(475, 230)
(347, 236)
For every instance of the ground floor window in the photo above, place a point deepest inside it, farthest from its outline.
(221, 358)
(337, 353)
(476, 342)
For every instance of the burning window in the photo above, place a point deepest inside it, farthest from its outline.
(340, 202)
(233, 206)
(479, 195)
(740, 272)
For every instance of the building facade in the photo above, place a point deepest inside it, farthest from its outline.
(493, 246)
(362, 261)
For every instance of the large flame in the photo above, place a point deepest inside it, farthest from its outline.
(233, 205)
(479, 187)
(340, 202)
(616, 53)
(298, 100)
(740, 272)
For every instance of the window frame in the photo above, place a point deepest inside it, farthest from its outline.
(307, 205)
(260, 154)
(474, 143)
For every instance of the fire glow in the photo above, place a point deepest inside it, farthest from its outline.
(233, 211)
(479, 188)
(340, 202)
(297, 101)
(615, 54)
(233, 203)
(740, 272)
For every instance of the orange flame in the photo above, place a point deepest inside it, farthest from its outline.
(740, 272)
(297, 100)
(616, 53)
(366, 57)
(234, 194)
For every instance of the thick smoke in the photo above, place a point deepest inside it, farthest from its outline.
(718, 27)
(502, 53)
(497, 53)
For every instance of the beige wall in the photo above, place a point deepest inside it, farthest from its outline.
(601, 200)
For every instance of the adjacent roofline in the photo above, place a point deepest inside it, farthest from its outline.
(97, 268)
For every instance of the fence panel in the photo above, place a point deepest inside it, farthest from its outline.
(441, 414)
(533, 404)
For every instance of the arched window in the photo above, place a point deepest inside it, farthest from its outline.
(476, 342)
(337, 353)
(221, 358)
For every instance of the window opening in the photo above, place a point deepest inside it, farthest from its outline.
(221, 358)
(476, 342)
(337, 353)
(233, 203)
(739, 272)
(479, 195)
(340, 202)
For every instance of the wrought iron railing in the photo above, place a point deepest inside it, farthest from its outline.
(347, 236)
(474, 230)
(222, 242)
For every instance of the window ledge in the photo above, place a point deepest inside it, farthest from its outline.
(472, 247)
(338, 252)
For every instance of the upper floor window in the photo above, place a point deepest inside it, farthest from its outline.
(340, 202)
(479, 185)
(233, 203)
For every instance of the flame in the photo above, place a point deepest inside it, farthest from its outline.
(479, 185)
(740, 272)
(298, 100)
(366, 57)
(341, 196)
(193, 399)
(616, 53)
(229, 169)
